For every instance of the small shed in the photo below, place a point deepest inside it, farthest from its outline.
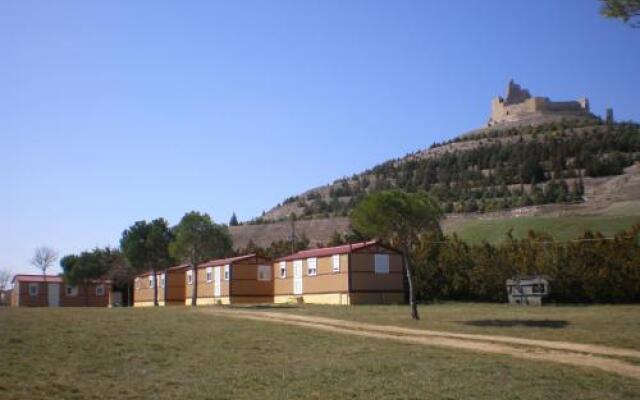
(528, 289)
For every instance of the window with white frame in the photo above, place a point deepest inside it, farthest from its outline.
(100, 290)
(163, 277)
(335, 262)
(381, 263)
(283, 269)
(71, 290)
(208, 274)
(227, 272)
(137, 283)
(264, 272)
(190, 277)
(312, 269)
(151, 280)
(33, 289)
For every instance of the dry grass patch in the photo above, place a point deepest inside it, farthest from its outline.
(178, 353)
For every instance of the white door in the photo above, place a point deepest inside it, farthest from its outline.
(53, 294)
(216, 282)
(297, 277)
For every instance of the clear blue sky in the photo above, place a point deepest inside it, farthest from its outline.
(116, 111)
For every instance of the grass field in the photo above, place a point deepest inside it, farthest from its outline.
(617, 325)
(183, 353)
(560, 228)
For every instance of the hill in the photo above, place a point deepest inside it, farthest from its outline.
(534, 162)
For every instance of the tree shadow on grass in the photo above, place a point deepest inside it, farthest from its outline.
(509, 323)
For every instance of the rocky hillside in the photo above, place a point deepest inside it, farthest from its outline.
(571, 167)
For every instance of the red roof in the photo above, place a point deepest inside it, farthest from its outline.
(225, 261)
(329, 251)
(37, 278)
(49, 279)
(175, 268)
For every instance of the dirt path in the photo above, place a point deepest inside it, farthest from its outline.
(576, 354)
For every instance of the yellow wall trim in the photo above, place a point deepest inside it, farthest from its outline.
(147, 303)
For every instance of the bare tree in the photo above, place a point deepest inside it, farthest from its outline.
(43, 259)
(5, 277)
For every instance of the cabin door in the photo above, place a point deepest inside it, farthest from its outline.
(297, 277)
(216, 282)
(53, 293)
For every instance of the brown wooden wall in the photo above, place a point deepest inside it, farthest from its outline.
(326, 281)
(245, 283)
(79, 300)
(359, 267)
(142, 292)
(174, 286)
(205, 289)
(364, 278)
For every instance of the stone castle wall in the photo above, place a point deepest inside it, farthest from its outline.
(520, 106)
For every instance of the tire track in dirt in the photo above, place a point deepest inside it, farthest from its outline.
(567, 353)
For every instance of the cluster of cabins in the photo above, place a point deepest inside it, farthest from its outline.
(358, 273)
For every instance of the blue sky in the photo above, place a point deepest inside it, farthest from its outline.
(116, 111)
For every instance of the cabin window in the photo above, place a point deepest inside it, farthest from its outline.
(100, 290)
(335, 260)
(312, 269)
(283, 269)
(227, 273)
(208, 274)
(538, 288)
(151, 280)
(137, 283)
(381, 262)
(162, 279)
(71, 290)
(264, 272)
(189, 277)
(33, 289)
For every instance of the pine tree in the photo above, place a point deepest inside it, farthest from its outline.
(234, 220)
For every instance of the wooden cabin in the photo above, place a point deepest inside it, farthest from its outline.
(242, 279)
(171, 287)
(52, 291)
(359, 273)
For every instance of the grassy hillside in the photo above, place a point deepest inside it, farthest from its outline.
(177, 352)
(560, 228)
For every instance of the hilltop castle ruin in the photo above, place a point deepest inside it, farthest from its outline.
(519, 108)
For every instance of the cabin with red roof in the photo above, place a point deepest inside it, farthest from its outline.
(243, 279)
(52, 291)
(171, 287)
(358, 273)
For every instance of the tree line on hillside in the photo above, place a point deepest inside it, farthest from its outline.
(538, 165)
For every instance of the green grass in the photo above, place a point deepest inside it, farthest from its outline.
(613, 325)
(172, 353)
(560, 228)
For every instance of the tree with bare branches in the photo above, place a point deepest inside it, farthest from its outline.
(43, 258)
(5, 278)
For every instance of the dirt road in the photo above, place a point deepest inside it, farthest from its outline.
(576, 354)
